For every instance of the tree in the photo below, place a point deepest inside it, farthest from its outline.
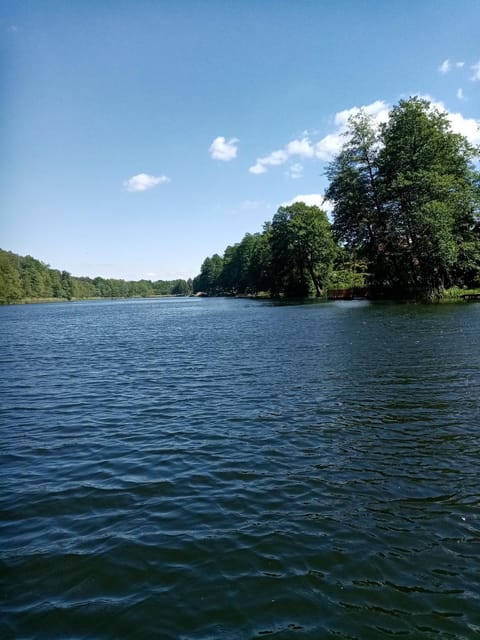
(260, 264)
(239, 275)
(11, 289)
(180, 288)
(430, 192)
(208, 280)
(67, 285)
(406, 198)
(303, 249)
(356, 188)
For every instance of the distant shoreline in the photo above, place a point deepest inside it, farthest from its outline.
(450, 295)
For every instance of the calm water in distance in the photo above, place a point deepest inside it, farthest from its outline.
(235, 469)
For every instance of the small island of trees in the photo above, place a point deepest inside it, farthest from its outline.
(406, 219)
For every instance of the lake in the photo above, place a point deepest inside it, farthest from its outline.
(222, 468)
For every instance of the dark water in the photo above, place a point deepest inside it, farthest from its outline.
(233, 469)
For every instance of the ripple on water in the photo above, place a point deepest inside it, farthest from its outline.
(231, 469)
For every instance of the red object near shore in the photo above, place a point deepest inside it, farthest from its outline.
(347, 294)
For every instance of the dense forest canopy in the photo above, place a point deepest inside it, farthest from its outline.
(25, 278)
(295, 256)
(406, 218)
(407, 199)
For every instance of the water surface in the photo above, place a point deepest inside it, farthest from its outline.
(219, 468)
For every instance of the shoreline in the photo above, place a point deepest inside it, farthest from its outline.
(450, 296)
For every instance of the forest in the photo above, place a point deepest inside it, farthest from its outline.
(25, 279)
(405, 223)
(406, 219)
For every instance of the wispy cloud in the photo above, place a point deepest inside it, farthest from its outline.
(324, 149)
(447, 66)
(295, 171)
(310, 199)
(251, 205)
(222, 149)
(143, 182)
(275, 158)
(460, 94)
(476, 71)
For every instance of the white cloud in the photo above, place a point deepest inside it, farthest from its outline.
(327, 147)
(310, 199)
(445, 67)
(258, 168)
(295, 171)
(330, 145)
(377, 110)
(222, 149)
(468, 127)
(313, 200)
(143, 181)
(302, 148)
(476, 71)
(275, 158)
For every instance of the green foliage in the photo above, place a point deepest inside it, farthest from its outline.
(25, 278)
(345, 279)
(303, 250)
(209, 279)
(407, 198)
(292, 257)
(246, 266)
(406, 222)
(11, 289)
(456, 293)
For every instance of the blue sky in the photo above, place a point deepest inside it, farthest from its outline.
(140, 136)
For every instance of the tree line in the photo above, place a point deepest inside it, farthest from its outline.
(406, 218)
(405, 222)
(25, 278)
(296, 256)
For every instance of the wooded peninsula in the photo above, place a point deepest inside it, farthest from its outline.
(405, 224)
(406, 219)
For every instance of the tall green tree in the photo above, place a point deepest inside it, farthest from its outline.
(260, 264)
(431, 190)
(240, 265)
(67, 285)
(356, 188)
(303, 249)
(406, 197)
(208, 280)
